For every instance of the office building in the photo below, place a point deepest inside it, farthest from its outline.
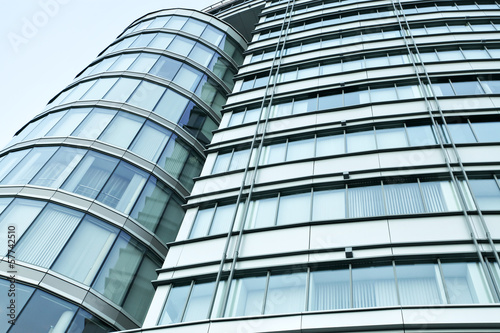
(351, 185)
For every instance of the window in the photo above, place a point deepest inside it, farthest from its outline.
(58, 168)
(330, 290)
(24, 171)
(246, 297)
(373, 287)
(420, 284)
(150, 141)
(286, 293)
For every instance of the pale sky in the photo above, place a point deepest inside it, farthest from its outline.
(45, 43)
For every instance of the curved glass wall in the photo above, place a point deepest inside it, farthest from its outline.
(38, 310)
(143, 137)
(84, 249)
(106, 179)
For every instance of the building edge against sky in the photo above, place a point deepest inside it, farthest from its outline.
(92, 188)
(351, 184)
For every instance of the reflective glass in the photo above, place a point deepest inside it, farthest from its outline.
(328, 205)
(261, 213)
(221, 163)
(94, 124)
(330, 145)
(122, 130)
(487, 132)
(58, 168)
(213, 35)
(78, 91)
(300, 149)
(421, 135)
(166, 68)
(420, 284)
(144, 63)
(46, 237)
(159, 22)
(174, 307)
(174, 156)
(45, 125)
(383, 94)
(11, 160)
(103, 65)
(468, 88)
(194, 27)
(99, 89)
(87, 248)
(187, 77)
(151, 204)
(161, 41)
(486, 192)
(150, 141)
(176, 22)
(69, 122)
(199, 301)
(202, 222)
(122, 90)
(440, 196)
(119, 269)
(171, 106)
(146, 96)
(403, 199)
(23, 172)
(360, 141)
(171, 219)
(461, 133)
(294, 208)
(91, 174)
(391, 138)
(23, 293)
(465, 283)
(246, 297)
(201, 54)
(85, 322)
(123, 187)
(239, 159)
(222, 219)
(44, 313)
(191, 169)
(273, 154)
(142, 40)
(329, 290)
(181, 45)
(286, 293)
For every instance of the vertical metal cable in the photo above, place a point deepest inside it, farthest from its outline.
(430, 110)
(281, 43)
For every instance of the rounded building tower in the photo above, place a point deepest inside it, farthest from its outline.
(93, 188)
(352, 185)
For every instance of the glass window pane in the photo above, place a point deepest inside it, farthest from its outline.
(45, 125)
(300, 149)
(142, 40)
(181, 45)
(21, 212)
(174, 156)
(487, 132)
(202, 223)
(391, 138)
(468, 88)
(201, 54)
(330, 290)
(11, 160)
(150, 141)
(383, 94)
(443, 89)
(171, 106)
(330, 145)
(403, 199)
(99, 89)
(85, 322)
(77, 92)
(239, 159)
(212, 35)
(118, 271)
(91, 174)
(294, 208)
(161, 41)
(305, 105)
(222, 219)
(151, 204)
(171, 219)
(261, 213)
(86, 250)
(421, 135)
(440, 197)
(142, 291)
(58, 168)
(94, 124)
(144, 63)
(360, 141)
(329, 205)
(365, 201)
(246, 297)
(123, 62)
(176, 22)
(465, 283)
(194, 27)
(408, 92)
(103, 65)
(373, 286)
(286, 293)
(122, 90)
(199, 301)
(420, 284)
(176, 301)
(282, 109)
(123, 187)
(47, 235)
(23, 293)
(221, 163)
(461, 133)
(188, 78)
(486, 192)
(450, 55)
(69, 122)
(29, 166)
(146, 96)
(43, 313)
(476, 54)
(273, 154)
(122, 129)
(166, 68)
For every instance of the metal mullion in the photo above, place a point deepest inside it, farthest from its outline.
(351, 291)
(406, 134)
(443, 282)
(264, 300)
(308, 282)
(472, 130)
(346, 205)
(396, 281)
(311, 203)
(187, 301)
(212, 219)
(276, 211)
(383, 198)
(422, 197)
